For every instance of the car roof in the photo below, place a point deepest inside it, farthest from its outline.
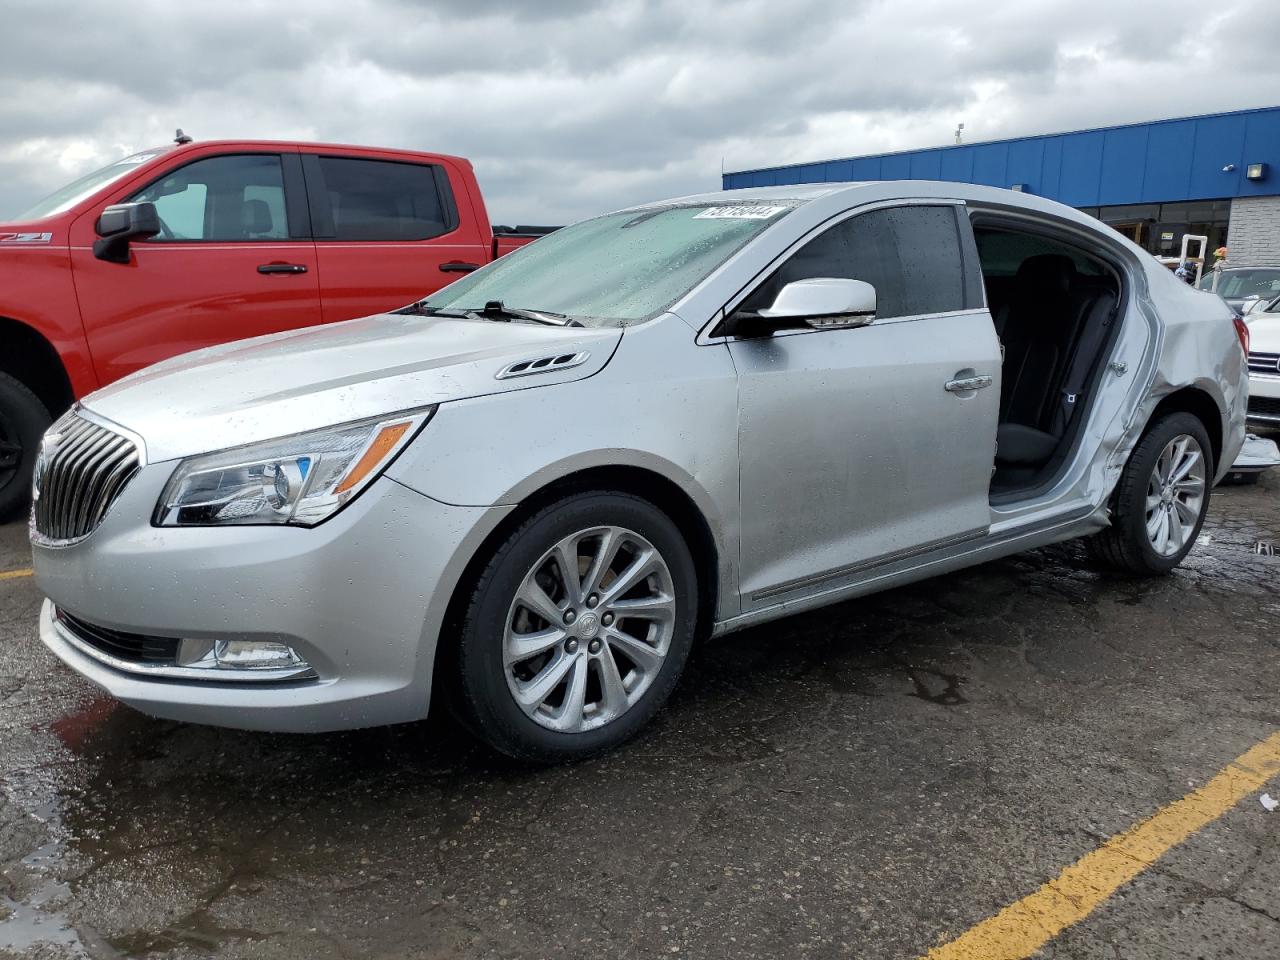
(853, 193)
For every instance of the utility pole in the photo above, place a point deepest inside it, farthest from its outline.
(959, 133)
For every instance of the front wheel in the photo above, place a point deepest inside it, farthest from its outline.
(23, 421)
(578, 628)
(1161, 500)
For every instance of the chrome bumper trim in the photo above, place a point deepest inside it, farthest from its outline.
(165, 672)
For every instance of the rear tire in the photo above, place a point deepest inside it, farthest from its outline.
(23, 421)
(1161, 500)
(608, 647)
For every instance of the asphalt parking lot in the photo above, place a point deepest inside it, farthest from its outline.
(870, 781)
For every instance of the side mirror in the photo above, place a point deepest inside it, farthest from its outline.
(121, 223)
(1250, 305)
(824, 302)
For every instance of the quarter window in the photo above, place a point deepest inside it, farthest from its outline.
(382, 200)
(221, 198)
(911, 255)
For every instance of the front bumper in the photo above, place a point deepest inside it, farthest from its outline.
(360, 597)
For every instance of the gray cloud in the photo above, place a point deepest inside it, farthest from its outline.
(569, 108)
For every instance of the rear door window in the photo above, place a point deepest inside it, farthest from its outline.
(229, 198)
(910, 254)
(382, 200)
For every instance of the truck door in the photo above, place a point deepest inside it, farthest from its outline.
(233, 259)
(388, 232)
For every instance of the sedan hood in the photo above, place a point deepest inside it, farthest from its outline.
(286, 383)
(1264, 332)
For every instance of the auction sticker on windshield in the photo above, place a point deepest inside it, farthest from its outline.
(740, 212)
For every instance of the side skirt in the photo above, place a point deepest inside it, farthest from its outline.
(895, 571)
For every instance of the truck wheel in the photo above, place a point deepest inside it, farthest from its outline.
(1161, 500)
(23, 421)
(577, 630)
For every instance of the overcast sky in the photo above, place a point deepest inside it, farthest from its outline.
(571, 108)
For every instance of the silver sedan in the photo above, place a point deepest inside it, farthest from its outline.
(530, 493)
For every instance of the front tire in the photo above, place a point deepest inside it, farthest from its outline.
(1161, 500)
(23, 421)
(577, 630)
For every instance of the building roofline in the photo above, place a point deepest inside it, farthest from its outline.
(1025, 137)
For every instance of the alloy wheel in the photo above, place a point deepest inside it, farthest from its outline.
(589, 629)
(1175, 495)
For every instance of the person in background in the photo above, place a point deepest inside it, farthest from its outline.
(1186, 272)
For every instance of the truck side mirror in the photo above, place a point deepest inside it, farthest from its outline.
(120, 223)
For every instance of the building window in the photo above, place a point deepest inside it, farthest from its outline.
(1160, 227)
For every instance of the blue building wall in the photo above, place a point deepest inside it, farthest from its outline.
(1161, 162)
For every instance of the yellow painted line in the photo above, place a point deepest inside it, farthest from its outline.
(1024, 927)
(15, 574)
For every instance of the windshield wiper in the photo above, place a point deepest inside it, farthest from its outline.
(495, 310)
(422, 309)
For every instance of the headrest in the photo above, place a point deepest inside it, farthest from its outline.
(255, 216)
(1046, 275)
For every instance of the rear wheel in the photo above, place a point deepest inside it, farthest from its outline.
(23, 421)
(578, 628)
(1161, 500)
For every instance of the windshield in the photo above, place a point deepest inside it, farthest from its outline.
(77, 190)
(1237, 284)
(616, 269)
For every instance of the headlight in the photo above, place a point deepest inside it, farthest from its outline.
(301, 480)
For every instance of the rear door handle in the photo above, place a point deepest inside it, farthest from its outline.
(967, 383)
(457, 266)
(281, 268)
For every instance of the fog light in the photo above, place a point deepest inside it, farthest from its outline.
(255, 655)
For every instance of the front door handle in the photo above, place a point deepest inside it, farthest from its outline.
(281, 268)
(457, 266)
(965, 384)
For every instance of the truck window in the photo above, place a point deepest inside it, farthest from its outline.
(383, 199)
(239, 197)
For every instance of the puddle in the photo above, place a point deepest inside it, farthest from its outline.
(31, 923)
(926, 689)
(37, 920)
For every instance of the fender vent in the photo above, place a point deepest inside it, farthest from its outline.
(524, 368)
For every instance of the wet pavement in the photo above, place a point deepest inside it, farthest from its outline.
(864, 781)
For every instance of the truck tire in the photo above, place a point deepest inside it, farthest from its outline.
(551, 668)
(23, 421)
(1161, 500)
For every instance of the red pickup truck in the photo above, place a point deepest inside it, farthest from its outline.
(194, 244)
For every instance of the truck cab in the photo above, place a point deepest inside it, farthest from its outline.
(194, 244)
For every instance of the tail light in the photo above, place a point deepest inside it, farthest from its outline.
(1242, 331)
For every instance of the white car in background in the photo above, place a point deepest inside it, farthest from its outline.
(1243, 287)
(1264, 365)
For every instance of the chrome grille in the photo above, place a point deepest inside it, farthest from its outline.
(1264, 362)
(80, 471)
